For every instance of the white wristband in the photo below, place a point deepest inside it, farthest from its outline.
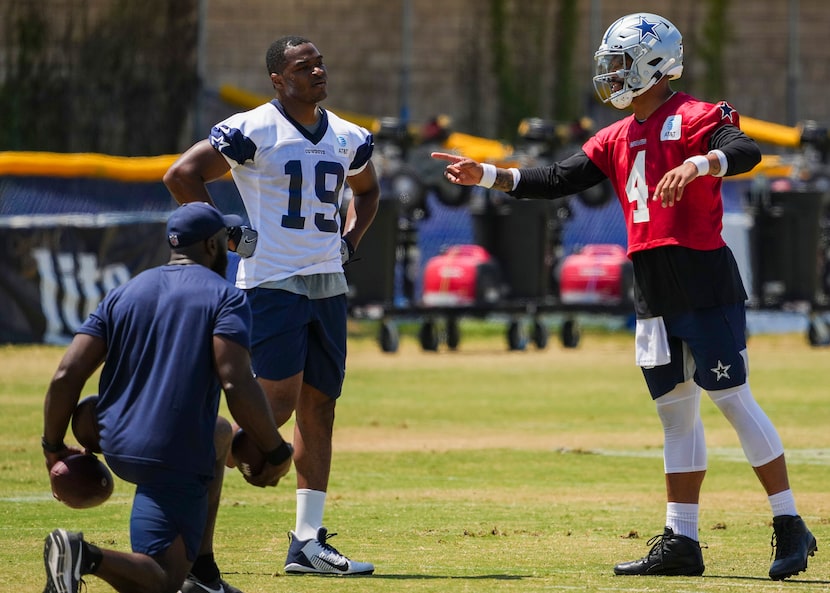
(701, 162)
(722, 160)
(488, 175)
(516, 177)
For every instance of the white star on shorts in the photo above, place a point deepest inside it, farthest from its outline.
(721, 371)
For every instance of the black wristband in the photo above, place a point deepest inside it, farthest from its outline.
(49, 447)
(280, 455)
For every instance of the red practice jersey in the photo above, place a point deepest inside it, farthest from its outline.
(635, 155)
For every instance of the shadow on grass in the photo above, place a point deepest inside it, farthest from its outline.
(391, 577)
(424, 577)
(801, 581)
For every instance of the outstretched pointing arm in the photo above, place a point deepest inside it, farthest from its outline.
(465, 171)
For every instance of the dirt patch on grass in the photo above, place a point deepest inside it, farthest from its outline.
(357, 440)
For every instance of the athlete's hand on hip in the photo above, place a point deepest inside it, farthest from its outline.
(346, 251)
(242, 240)
(461, 170)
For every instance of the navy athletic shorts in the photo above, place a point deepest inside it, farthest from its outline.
(707, 345)
(292, 333)
(163, 511)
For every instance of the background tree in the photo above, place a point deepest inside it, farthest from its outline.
(119, 81)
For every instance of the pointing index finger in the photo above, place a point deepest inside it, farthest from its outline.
(445, 156)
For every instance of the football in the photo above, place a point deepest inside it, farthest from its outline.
(81, 481)
(85, 424)
(249, 459)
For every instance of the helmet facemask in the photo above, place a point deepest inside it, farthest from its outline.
(612, 78)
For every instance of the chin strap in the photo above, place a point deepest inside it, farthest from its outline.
(623, 101)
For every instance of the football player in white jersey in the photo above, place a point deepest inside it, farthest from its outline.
(290, 160)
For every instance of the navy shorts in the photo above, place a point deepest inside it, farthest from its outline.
(164, 511)
(292, 333)
(707, 345)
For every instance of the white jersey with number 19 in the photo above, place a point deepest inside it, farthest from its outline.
(291, 182)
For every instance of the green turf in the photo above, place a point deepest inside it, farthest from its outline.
(474, 470)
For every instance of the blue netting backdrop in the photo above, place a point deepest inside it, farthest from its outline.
(44, 201)
(39, 197)
(27, 201)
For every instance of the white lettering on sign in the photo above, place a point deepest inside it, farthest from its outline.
(71, 286)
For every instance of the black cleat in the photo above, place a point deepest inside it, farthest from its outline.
(792, 542)
(62, 556)
(670, 555)
(193, 584)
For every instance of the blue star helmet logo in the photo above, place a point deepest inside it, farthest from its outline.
(726, 111)
(646, 29)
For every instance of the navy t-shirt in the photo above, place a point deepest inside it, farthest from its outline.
(159, 392)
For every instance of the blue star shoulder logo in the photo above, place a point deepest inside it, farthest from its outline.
(726, 111)
(646, 29)
(721, 371)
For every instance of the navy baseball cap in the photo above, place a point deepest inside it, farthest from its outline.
(197, 221)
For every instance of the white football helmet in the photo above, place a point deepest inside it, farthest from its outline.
(636, 51)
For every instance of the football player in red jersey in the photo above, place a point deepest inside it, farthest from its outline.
(666, 162)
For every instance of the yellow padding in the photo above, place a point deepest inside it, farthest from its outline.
(53, 164)
(149, 169)
(481, 149)
(771, 165)
(764, 131)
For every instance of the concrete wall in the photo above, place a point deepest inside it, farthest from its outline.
(452, 68)
(451, 59)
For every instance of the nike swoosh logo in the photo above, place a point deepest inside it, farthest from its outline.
(248, 240)
(77, 569)
(221, 589)
(343, 565)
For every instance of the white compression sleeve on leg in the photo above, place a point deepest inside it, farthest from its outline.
(684, 444)
(759, 439)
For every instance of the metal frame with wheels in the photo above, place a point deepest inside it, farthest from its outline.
(524, 326)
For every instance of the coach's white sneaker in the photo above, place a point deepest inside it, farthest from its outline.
(315, 556)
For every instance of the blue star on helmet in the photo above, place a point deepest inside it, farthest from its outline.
(726, 111)
(646, 29)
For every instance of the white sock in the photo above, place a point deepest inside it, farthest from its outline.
(681, 517)
(310, 505)
(782, 503)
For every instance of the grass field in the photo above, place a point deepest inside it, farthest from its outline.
(475, 470)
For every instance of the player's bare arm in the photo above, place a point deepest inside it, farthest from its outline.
(364, 206)
(84, 354)
(199, 165)
(248, 405)
(504, 180)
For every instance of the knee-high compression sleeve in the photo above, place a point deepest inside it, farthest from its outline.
(759, 438)
(684, 444)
